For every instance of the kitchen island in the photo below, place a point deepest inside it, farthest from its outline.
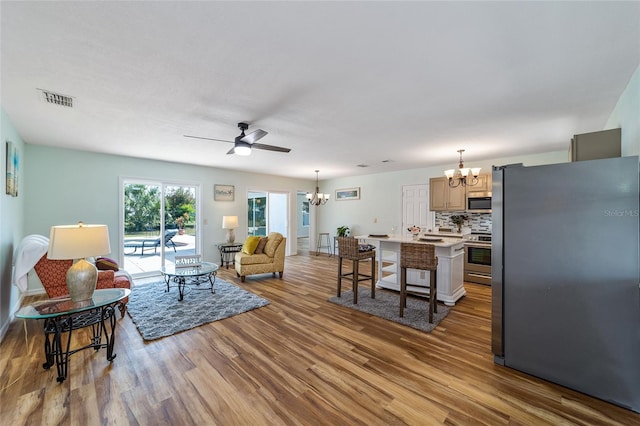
(450, 253)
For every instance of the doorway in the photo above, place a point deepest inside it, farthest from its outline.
(415, 208)
(159, 220)
(267, 211)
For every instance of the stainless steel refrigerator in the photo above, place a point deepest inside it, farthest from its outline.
(566, 275)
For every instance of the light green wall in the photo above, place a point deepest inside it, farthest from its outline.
(11, 224)
(626, 115)
(65, 186)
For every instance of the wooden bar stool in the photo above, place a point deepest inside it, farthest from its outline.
(422, 257)
(324, 241)
(348, 248)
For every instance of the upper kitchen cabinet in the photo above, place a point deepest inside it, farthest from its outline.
(596, 145)
(444, 198)
(483, 185)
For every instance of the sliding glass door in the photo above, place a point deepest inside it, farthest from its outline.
(159, 222)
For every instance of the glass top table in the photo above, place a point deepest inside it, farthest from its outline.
(63, 315)
(194, 274)
(65, 306)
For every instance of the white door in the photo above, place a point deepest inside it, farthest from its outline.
(415, 207)
(415, 211)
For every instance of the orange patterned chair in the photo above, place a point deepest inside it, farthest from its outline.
(53, 276)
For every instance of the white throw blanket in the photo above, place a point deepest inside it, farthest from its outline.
(28, 253)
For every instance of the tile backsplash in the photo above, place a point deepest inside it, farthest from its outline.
(478, 222)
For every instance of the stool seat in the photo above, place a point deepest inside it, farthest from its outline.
(324, 241)
(348, 248)
(422, 257)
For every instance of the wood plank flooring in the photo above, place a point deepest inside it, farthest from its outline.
(298, 361)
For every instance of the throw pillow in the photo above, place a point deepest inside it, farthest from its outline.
(272, 243)
(250, 245)
(106, 264)
(261, 244)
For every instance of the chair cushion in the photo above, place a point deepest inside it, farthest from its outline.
(365, 247)
(106, 264)
(250, 244)
(254, 259)
(272, 243)
(261, 244)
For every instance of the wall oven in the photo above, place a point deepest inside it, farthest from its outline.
(477, 259)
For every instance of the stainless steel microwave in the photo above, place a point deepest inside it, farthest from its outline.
(479, 202)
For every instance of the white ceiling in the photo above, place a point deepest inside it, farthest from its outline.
(340, 83)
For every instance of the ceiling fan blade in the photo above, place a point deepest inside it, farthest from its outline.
(232, 151)
(207, 139)
(254, 136)
(270, 147)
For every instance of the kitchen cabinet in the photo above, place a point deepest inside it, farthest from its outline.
(444, 198)
(483, 185)
(596, 145)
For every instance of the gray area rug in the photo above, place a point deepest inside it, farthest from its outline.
(157, 313)
(387, 305)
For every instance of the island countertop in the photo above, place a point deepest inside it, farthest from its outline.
(443, 241)
(450, 253)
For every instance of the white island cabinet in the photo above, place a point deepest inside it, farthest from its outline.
(450, 253)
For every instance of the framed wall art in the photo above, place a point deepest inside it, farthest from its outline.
(223, 192)
(12, 168)
(348, 194)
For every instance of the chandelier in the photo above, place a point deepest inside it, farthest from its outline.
(463, 176)
(317, 198)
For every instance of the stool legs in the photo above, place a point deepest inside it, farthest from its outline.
(339, 275)
(324, 244)
(354, 281)
(355, 278)
(433, 293)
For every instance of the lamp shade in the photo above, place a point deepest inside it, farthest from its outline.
(78, 241)
(229, 222)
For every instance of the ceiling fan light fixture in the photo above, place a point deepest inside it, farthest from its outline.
(242, 148)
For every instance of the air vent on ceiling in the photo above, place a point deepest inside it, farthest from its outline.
(56, 98)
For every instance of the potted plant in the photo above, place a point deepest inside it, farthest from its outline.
(343, 231)
(180, 222)
(458, 220)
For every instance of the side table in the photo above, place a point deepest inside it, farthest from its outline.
(228, 252)
(62, 315)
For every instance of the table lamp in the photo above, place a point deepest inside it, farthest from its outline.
(230, 222)
(77, 242)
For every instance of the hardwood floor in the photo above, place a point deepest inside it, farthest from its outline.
(299, 360)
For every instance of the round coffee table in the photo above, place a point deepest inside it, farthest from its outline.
(195, 275)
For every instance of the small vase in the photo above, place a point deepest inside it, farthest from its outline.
(415, 237)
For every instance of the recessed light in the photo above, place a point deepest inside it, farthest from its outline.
(363, 165)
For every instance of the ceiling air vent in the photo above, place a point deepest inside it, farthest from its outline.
(56, 98)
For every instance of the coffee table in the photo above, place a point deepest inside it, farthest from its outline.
(189, 275)
(62, 315)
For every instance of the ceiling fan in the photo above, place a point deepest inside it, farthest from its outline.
(243, 144)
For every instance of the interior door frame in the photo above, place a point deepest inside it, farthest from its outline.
(291, 236)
